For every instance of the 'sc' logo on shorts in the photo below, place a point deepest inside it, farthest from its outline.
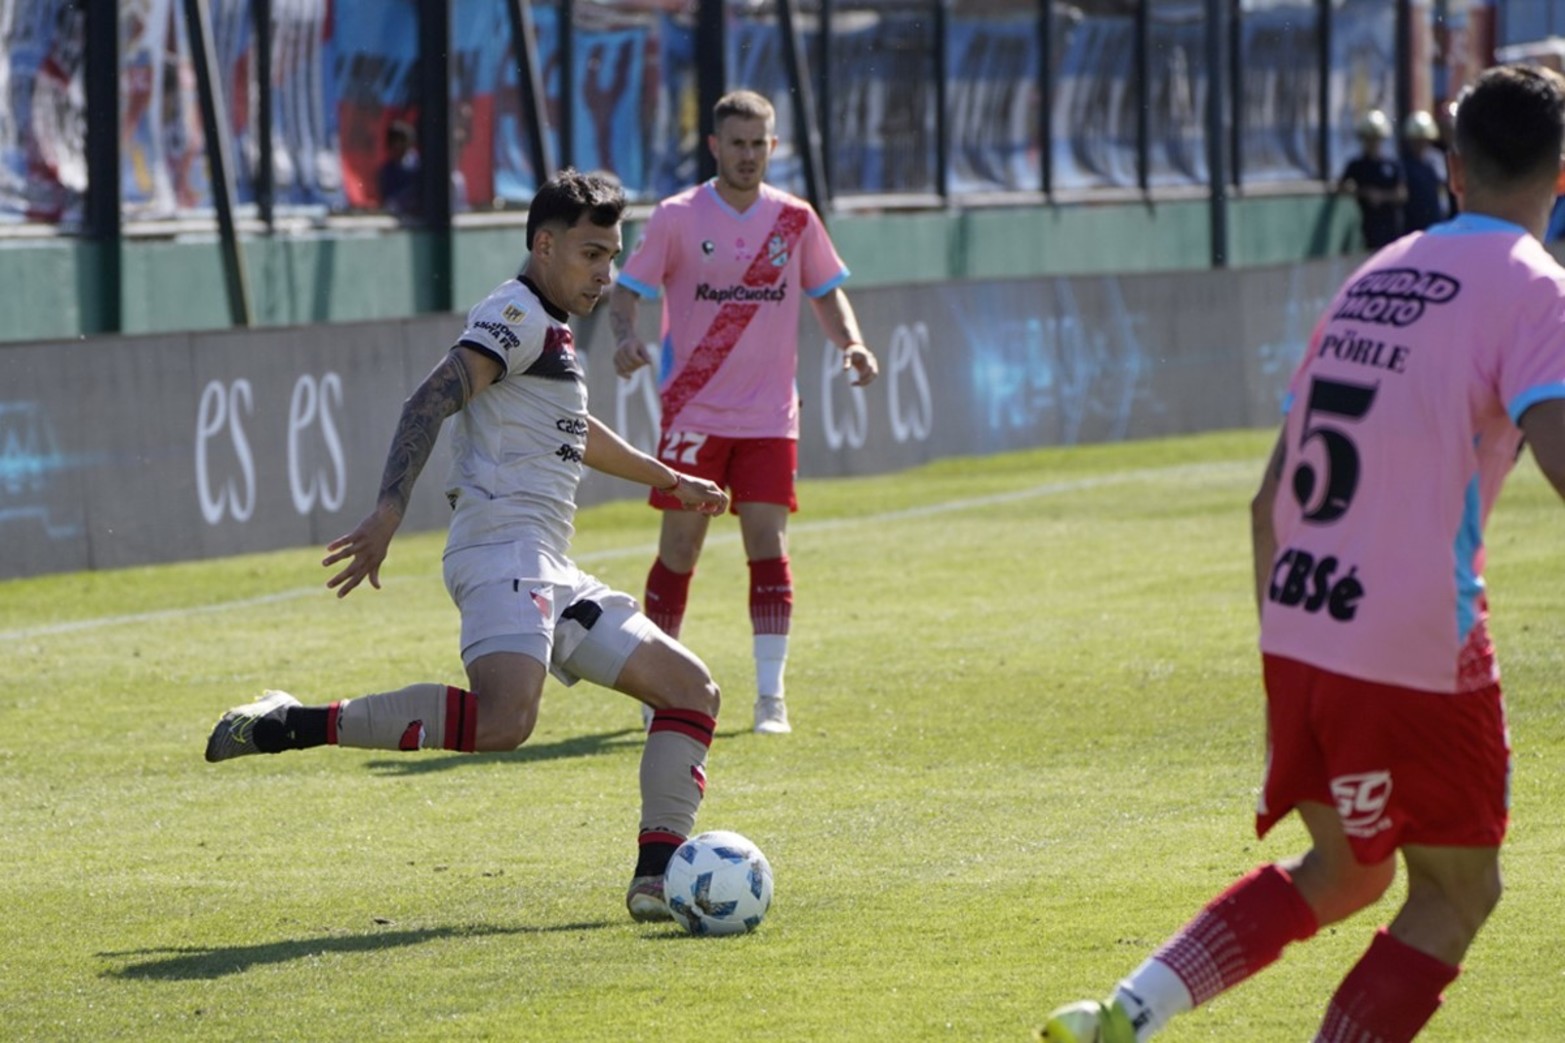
(1361, 802)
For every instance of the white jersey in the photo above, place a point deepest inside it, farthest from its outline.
(519, 442)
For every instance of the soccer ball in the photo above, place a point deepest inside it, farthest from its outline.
(718, 883)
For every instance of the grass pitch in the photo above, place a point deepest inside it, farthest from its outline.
(1028, 736)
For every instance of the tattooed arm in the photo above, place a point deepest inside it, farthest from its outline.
(630, 354)
(450, 385)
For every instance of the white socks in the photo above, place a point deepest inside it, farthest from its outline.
(1151, 995)
(771, 657)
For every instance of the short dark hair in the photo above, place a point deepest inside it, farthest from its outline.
(1510, 125)
(744, 104)
(568, 195)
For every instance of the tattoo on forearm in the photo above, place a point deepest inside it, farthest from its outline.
(446, 390)
(623, 325)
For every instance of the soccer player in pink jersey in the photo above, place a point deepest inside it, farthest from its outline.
(1385, 723)
(732, 257)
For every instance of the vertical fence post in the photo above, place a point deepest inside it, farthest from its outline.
(265, 187)
(823, 97)
(567, 55)
(1323, 140)
(219, 154)
(1045, 87)
(1236, 92)
(434, 144)
(1216, 136)
(711, 76)
(1143, 59)
(103, 225)
(807, 138)
(530, 90)
(942, 27)
(1404, 67)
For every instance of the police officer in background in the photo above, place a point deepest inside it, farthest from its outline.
(1376, 179)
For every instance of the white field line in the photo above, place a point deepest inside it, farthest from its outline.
(646, 550)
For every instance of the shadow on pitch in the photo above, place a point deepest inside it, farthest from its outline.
(195, 963)
(580, 746)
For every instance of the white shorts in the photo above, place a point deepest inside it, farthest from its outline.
(579, 628)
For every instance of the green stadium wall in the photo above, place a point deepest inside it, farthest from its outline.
(351, 274)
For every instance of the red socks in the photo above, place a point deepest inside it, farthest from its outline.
(771, 596)
(1389, 995)
(667, 593)
(1239, 933)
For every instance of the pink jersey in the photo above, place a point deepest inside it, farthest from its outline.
(731, 307)
(1401, 427)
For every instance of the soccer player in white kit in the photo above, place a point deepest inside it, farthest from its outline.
(733, 256)
(1385, 721)
(516, 398)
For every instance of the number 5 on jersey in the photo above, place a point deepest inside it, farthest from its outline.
(1325, 501)
(681, 447)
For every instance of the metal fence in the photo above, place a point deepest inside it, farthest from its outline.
(928, 100)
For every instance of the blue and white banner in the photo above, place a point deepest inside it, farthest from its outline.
(43, 171)
(344, 70)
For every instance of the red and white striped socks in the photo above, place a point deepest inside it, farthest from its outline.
(1388, 996)
(1239, 933)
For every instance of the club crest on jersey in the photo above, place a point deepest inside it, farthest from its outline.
(777, 250)
(708, 247)
(514, 313)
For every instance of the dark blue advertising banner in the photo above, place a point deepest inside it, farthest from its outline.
(126, 451)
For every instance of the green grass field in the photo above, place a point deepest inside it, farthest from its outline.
(1028, 736)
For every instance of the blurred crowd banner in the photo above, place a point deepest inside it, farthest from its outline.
(344, 70)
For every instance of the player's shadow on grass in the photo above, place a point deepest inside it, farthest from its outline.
(192, 962)
(580, 746)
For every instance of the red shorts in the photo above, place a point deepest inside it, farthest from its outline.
(753, 470)
(1401, 766)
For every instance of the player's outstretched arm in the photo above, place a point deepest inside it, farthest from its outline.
(630, 354)
(1544, 426)
(608, 452)
(447, 388)
(836, 317)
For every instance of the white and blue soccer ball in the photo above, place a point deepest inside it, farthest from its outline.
(718, 883)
